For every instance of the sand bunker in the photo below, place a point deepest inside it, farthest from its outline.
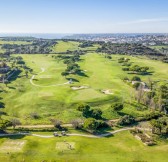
(79, 87)
(107, 92)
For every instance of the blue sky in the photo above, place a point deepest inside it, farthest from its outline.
(83, 16)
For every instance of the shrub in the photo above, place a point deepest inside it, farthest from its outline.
(96, 113)
(125, 69)
(126, 78)
(56, 123)
(136, 78)
(126, 120)
(76, 123)
(85, 109)
(91, 124)
(34, 115)
(117, 106)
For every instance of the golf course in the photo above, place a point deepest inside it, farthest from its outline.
(43, 98)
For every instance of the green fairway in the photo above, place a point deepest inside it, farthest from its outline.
(63, 46)
(121, 147)
(49, 95)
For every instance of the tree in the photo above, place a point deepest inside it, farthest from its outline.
(125, 69)
(64, 73)
(26, 73)
(136, 78)
(144, 69)
(117, 106)
(76, 123)
(126, 120)
(6, 82)
(5, 124)
(15, 122)
(150, 83)
(109, 57)
(140, 93)
(96, 113)
(156, 126)
(135, 68)
(56, 123)
(34, 115)
(90, 124)
(85, 109)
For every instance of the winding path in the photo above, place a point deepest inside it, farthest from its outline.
(79, 135)
(37, 85)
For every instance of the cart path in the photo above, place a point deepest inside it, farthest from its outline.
(79, 135)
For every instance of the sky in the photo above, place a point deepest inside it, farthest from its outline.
(83, 16)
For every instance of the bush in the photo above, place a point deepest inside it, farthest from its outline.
(91, 124)
(125, 79)
(76, 123)
(102, 124)
(136, 78)
(85, 109)
(34, 115)
(117, 106)
(126, 120)
(96, 113)
(125, 69)
(56, 123)
(153, 115)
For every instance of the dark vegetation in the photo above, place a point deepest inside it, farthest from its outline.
(86, 44)
(72, 66)
(128, 49)
(38, 46)
(133, 69)
(134, 50)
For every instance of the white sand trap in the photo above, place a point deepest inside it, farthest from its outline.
(12, 146)
(107, 92)
(45, 94)
(79, 87)
(65, 146)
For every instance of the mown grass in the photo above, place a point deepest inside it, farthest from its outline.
(118, 148)
(63, 46)
(21, 98)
